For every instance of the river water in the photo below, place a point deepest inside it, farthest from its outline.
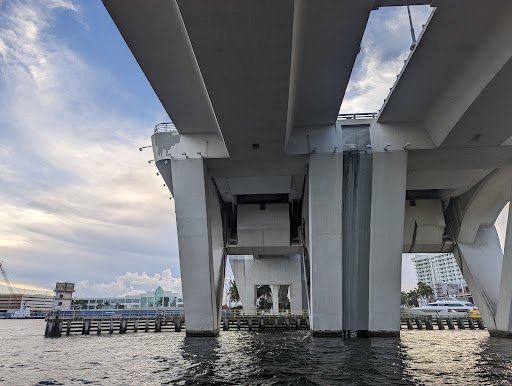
(243, 357)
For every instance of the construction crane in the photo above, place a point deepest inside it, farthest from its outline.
(7, 281)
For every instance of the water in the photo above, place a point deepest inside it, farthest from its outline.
(239, 357)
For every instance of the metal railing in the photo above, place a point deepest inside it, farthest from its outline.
(357, 116)
(264, 313)
(113, 314)
(164, 127)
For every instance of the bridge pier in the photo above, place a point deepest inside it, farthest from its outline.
(386, 241)
(325, 188)
(201, 245)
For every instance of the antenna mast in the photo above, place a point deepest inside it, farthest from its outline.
(413, 35)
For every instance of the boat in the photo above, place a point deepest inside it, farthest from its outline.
(447, 307)
(23, 312)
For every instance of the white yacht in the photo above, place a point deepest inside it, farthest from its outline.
(447, 306)
(23, 312)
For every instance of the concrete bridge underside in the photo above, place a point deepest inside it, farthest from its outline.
(261, 165)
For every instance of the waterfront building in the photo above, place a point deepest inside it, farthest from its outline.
(157, 298)
(63, 295)
(440, 272)
(10, 302)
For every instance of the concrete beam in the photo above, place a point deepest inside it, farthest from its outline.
(318, 67)
(159, 41)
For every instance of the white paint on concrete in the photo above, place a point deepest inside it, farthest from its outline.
(275, 271)
(202, 255)
(325, 183)
(386, 240)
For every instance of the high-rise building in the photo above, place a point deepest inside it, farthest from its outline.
(440, 272)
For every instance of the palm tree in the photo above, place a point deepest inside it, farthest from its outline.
(264, 296)
(234, 296)
(412, 298)
(425, 291)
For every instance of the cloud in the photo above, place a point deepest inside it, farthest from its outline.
(82, 284)
(125, 284)
(384, 48)
(74, 189)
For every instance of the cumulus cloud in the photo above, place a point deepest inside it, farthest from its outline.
(126, 284)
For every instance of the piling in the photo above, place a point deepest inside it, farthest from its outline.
(480, 324)
(449, 322)
(68, 328)
(147, 326)
(297, 323)
(460, 324)
(262, 324)
(98, 329)
(409, 324)
(428, 324)
(287, 323)
(250, 324)
(238, 323)
(111, 331)
(177, 325)
(135, 326)
(86, 327)
(440, 324)
(471, 324)
(225, 325)
(122, 326)
(158, 325)
(418, 324)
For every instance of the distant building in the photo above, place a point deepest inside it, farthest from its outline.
(440, 272)
(10, 303)
(157, 298)
(38, 303)
(63, 295)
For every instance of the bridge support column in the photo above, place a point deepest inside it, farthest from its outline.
(504, 312)
(325, 183)
(275, 298)
(386, 241)
(201, 245)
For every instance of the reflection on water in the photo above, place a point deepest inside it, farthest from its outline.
(242, 357)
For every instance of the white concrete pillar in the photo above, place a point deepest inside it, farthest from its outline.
(325, 180)
(481, 263)
(504, 313)
(201, 254)
(386, 241)
(275, 298)
(296, 298)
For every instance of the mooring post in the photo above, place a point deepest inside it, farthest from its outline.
(450, 324)
(49, 326)
(135, 326)
(409, 324)
(86, 326)
(418, 324)
(177, 325)
(225, 324)
(158, 325)
(262, 324)
(250, 324)
(147, 326)
(122, 326)
(460, 324)
(111, 331)
(238, 323)
(98, 329)
(471, 324)
(440, 324)
(298, 321)
(480, 324)
(428, 324)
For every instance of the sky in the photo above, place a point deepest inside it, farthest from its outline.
(78, 201)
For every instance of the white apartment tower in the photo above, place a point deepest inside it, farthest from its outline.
(440, 272)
